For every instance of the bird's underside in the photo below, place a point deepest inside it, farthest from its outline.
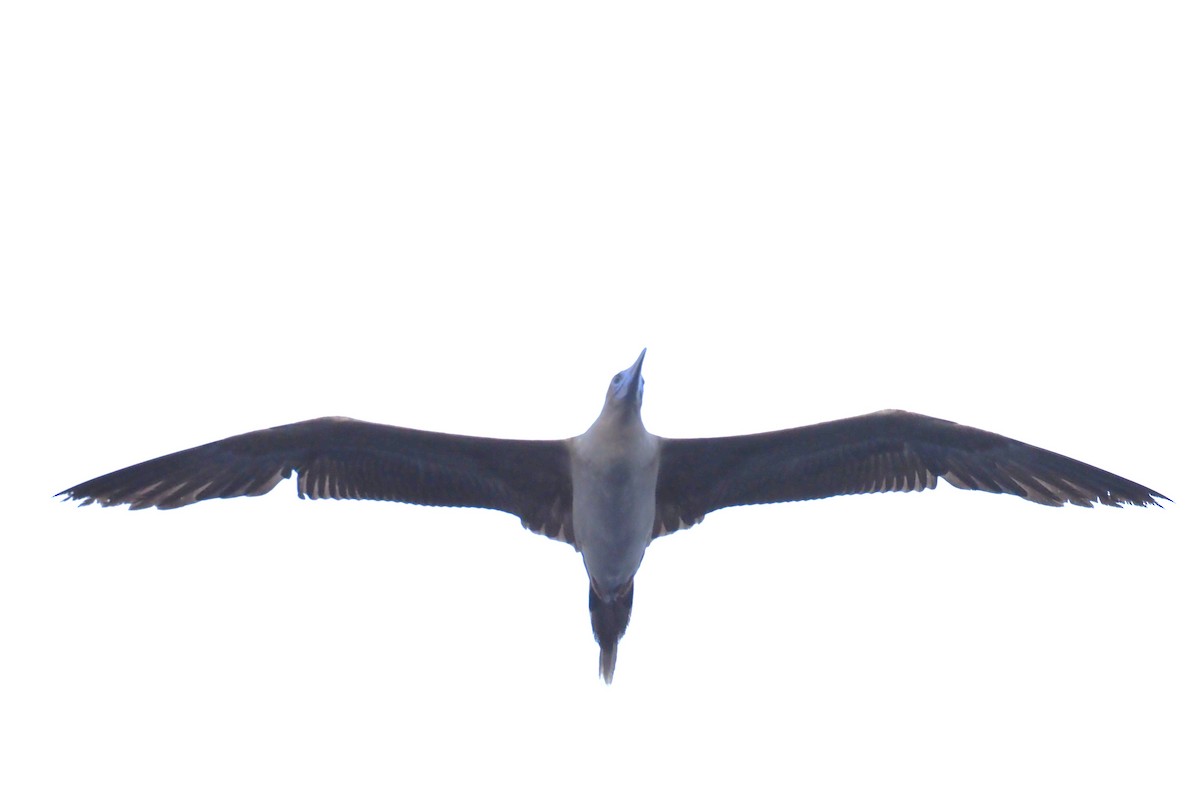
(336, 457)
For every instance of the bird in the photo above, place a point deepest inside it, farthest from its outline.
(615, 488)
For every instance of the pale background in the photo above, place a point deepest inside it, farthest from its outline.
(466, 217)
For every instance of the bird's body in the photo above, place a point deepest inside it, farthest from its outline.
(610, 491)
(613, 476)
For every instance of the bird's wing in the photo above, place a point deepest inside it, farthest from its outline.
(888, 451)
(336, 457)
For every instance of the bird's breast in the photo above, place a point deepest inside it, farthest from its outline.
(613, 507)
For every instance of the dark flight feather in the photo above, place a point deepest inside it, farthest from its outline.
(887, 451)
(340, 458)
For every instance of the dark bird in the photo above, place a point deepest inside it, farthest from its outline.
(612, 490)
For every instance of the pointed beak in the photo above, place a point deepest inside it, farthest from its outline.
(635, 372)
(632, 385)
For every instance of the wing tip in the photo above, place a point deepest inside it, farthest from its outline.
(81, 498)
(69, 495)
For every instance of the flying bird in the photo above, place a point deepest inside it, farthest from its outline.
(612, 490)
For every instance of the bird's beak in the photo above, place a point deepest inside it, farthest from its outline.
(635, 372)
(631, 387)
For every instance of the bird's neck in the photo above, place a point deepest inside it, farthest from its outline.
(617, 425)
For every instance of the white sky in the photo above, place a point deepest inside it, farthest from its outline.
(466, 217)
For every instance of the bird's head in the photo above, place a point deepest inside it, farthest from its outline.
(625, 389)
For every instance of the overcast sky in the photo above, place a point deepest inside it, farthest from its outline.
(466, 217)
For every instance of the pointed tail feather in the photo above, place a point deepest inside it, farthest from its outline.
(610, 618)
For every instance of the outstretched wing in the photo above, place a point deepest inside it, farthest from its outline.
(341, 458)
(888, 451)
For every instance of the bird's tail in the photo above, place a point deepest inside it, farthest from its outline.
(610, 618)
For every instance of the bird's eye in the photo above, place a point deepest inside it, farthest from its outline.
(616, 379)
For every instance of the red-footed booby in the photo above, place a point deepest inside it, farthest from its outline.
(612, 490)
